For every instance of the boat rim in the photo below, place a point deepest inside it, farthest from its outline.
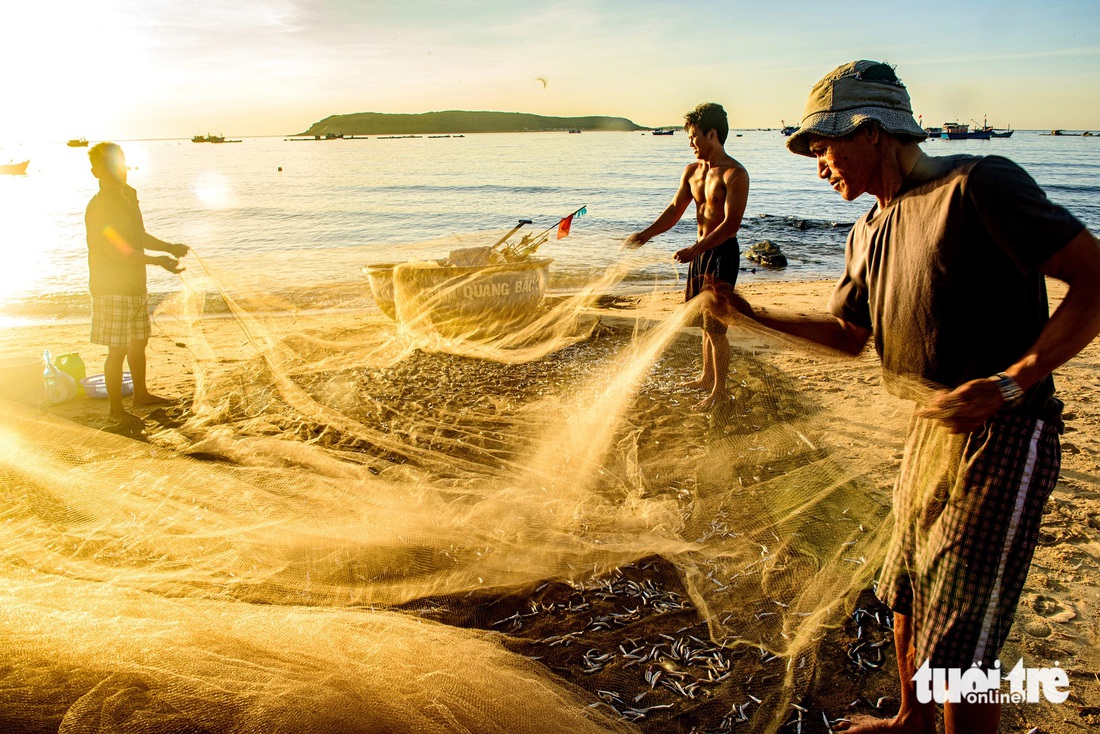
(461, 270)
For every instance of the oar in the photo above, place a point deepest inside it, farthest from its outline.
(515, 229)
(527, 246)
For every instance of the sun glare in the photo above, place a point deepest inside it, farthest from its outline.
(21, 219)
(138, 163)
(63, 62)
(213, 190)
(42, 221)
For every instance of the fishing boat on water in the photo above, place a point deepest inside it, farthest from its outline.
(78, 143)
(788, 130)
(962, 131)
(958, 131)
(15, 169)
(993, 133)
(208, 138)
(664, 131)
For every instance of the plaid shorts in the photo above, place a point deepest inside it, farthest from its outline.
(967, 510)
(119, 320)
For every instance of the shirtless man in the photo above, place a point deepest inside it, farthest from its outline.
(719, 186)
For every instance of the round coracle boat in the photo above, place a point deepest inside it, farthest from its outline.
(457, 300)
(380, 277)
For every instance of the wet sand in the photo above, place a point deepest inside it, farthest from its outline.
(608, 634)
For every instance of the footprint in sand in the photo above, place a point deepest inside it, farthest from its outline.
(1046, 537)
(1037, 627)
(1052, 609)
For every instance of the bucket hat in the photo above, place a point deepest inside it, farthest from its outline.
(850, 95)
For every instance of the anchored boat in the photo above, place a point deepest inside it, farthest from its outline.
(15, 169)
(961, 131)
(993, 132)
(208, 138)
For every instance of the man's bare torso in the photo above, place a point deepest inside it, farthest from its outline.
(708, 188)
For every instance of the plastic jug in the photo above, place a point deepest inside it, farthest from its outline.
(72, 365)
(60, 387)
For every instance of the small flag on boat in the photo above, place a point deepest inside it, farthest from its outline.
(567, 222)
(563, 226)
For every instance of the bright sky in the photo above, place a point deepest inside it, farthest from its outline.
(123, 69)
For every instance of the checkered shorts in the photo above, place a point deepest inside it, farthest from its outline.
(967, 511)
(119, 320)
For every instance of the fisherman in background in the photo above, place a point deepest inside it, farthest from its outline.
(719, 186)
(117, 242)
(946, 273)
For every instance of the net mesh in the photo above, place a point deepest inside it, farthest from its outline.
(476, 518)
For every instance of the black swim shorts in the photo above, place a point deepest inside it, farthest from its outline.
(719, 263)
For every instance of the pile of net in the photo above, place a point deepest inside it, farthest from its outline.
(359, 525)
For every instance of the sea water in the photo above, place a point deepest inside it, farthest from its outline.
(311, 213)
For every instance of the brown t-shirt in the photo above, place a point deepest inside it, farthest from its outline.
(946, 276)
(115, 231)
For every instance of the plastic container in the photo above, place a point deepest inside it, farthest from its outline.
(96, 385)
(72, 365)
(60, 386)
(21, 380)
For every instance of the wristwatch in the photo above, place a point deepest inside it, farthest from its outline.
(1011, 391)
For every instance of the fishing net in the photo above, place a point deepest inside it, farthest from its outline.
(498, 512)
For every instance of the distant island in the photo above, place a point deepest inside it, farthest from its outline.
(460, 121)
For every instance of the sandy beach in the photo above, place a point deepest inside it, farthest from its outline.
(1058, 620)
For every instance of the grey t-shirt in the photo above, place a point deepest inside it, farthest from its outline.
(946, 276)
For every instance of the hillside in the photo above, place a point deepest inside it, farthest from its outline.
(459, 121)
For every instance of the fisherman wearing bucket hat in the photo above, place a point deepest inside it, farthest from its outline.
(851, 95)
(947, 273)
